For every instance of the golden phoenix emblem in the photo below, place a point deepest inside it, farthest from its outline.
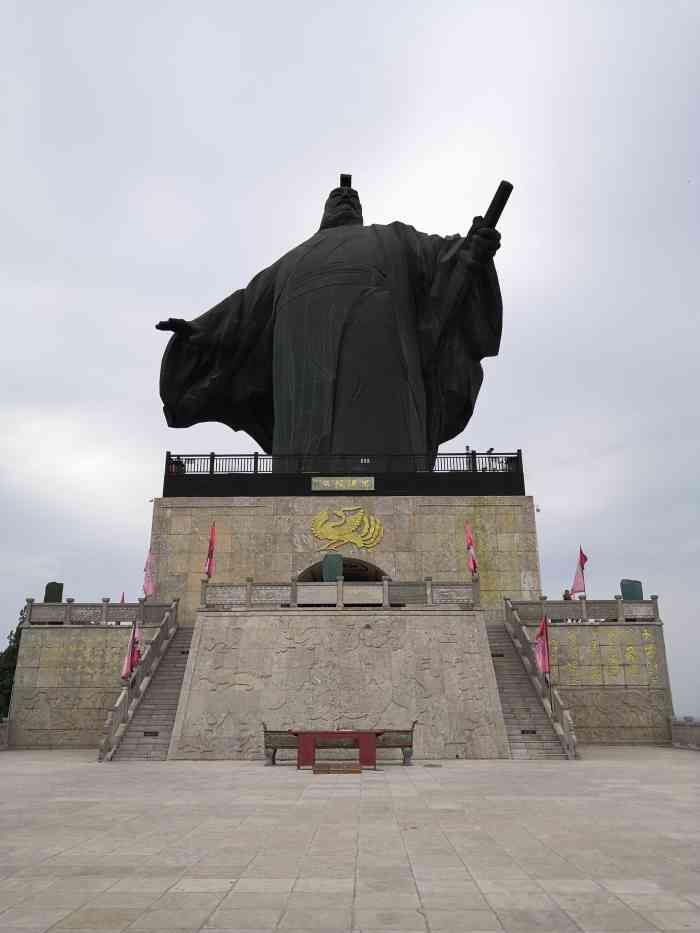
(353, 526)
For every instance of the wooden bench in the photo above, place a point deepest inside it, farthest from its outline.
(275, 739)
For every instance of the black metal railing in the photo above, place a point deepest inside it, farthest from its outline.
(212, 464)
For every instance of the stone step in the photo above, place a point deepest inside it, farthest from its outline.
(142, 728)
(540, 728)
(517, 718)
(140, 739)
(159, 696)
(163, 709)
(147, 743)
(165, 689)
(156, 713)
(537, 744)
(139, 728)
(524, 717)
(515, 742)
(528, 728)
(158, 699)
(534, 740)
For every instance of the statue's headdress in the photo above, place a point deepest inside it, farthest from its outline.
(342, 205)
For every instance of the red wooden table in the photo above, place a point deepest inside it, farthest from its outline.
(366, 740)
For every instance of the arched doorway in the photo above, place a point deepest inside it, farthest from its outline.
(354, 571)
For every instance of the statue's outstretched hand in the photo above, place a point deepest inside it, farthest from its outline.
(177, 325)
(482, 243)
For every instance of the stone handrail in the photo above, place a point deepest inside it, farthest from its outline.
(133, 692)
(549, 695)
(145, 612)
(340, 594)
(617, 610)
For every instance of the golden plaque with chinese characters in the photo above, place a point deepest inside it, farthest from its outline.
(341, 483)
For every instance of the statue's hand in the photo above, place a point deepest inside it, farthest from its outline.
(482, 243)
(177, 325)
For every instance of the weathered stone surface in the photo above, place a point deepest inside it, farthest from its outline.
(615, 715)
(269, 539)
(684, 733)
(632, 654)
(614, 680)
(339, 668)
(66, 681)
(272, 593)
(451, 594)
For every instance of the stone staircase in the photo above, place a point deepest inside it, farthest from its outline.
(149, 732)
(530, 730)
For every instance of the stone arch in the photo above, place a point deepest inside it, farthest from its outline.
(354, 570)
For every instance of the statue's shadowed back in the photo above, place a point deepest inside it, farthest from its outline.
(363, 340)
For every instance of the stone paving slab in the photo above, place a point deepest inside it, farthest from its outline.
(610, 843)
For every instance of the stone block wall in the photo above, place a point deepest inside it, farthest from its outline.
(67, 679)
(340, 668)
(614, 679)
(269, 539)
(4, 729)
(685, 733)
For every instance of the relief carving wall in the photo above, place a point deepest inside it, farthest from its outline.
(335, 669)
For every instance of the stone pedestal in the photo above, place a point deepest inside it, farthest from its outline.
(344, 668)
(270, 539)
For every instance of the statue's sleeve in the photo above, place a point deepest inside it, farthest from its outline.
(459, 319)
(224, 371)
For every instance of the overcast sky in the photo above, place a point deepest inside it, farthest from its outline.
(156, 156)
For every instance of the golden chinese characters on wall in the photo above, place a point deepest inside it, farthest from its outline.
(612, 655)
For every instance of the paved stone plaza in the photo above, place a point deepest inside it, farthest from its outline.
(610, 843)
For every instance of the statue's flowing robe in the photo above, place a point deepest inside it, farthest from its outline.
(359, 341)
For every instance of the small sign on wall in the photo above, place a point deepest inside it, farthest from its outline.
(342, 483)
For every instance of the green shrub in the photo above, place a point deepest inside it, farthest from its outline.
(8, 663)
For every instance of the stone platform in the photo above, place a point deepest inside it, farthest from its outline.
(609, 843)
(269, 538)
(340, 668)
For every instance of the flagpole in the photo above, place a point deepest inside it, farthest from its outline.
(549, 663)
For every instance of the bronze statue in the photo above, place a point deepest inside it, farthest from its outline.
(363, 340)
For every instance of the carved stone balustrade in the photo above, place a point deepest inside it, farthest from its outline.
(145, 612)
(341, 594)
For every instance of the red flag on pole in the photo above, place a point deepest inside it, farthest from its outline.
(541, 646)
(471, 551)
(149, 585)
(579, 584)
(133, 652)
(209, 562)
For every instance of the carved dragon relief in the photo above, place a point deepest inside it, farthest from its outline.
(354, 526)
